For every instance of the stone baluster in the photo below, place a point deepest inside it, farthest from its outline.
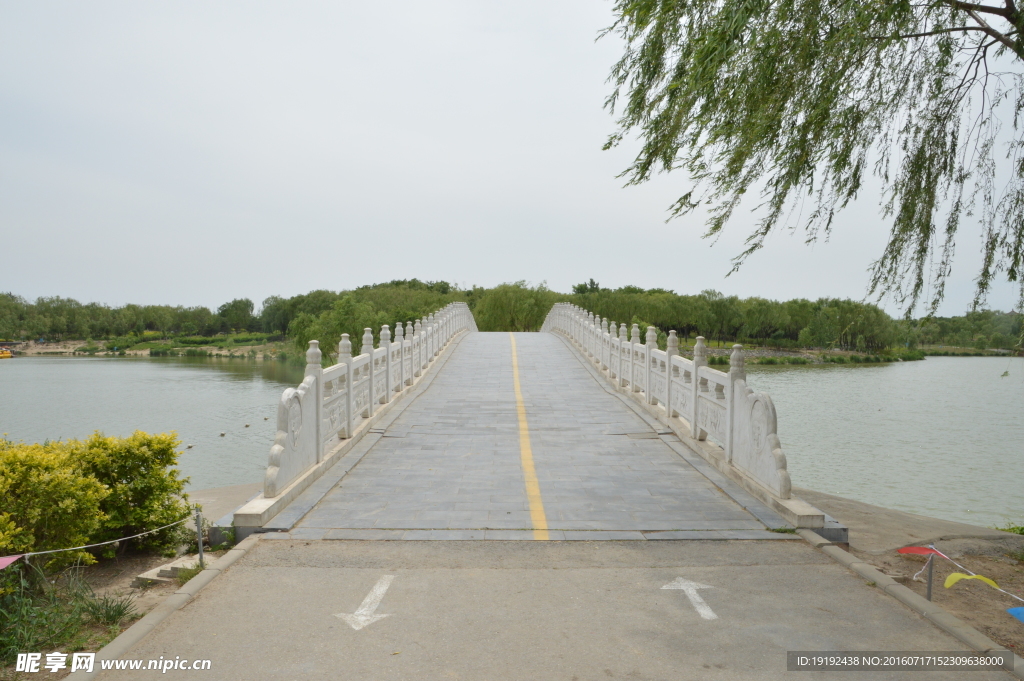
(613, 340)
(410, 373)
(652, 345)
(585, 333)
(605, 345)
(671, 350)
(400, 340)
(385, 342)
(625, 377)
(597, 340)
(431, 338)
(368, 349)
(437, 336)
(602, 334)
(634, 356)
(737, 372)
(428, 334)
(315, 369)
(345, 357)
(428, 341)
(700, 359)
(417, 348)
(588, 333)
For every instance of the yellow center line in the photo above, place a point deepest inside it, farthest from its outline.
(540, 521)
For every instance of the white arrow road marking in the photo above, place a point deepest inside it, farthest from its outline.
(690, 589)
(364, 615)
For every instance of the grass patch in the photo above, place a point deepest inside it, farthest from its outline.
(110, 610)
(1015, 529)
(185, 574)
(45, 611)
(782, 530)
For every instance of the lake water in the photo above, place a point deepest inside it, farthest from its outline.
(943, 437)
(70, 397)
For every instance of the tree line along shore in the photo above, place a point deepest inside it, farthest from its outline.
(793, 331)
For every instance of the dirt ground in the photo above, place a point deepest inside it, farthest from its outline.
(973, 601)
(876, 533)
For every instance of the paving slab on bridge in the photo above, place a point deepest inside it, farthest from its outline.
(532, 610)
(451, 465)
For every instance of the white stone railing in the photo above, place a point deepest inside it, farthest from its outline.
(335, 404)
(697, 402)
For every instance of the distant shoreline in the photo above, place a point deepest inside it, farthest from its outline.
(756, 355)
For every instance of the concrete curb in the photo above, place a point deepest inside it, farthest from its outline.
(136, 632)
(957, 628)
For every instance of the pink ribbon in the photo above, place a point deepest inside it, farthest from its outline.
(7, 560)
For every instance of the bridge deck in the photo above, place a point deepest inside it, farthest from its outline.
(451, 465)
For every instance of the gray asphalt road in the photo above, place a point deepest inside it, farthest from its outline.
(475, 610)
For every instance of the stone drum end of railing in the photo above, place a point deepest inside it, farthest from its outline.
(319, 421)
(716, 414)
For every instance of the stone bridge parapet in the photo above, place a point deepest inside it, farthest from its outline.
(320, 419)
(715, 413)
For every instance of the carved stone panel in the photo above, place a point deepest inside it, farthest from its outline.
(756, 447)
(713, 419)
(295, 446)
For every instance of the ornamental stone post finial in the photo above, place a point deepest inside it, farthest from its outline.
(604, 326)
(385, 336)
(652, 337)
(344, 348)
(313, 356)
(622, 333)
(418, 326)
(673, 344)
(399, 333)
(700, 351)
(409, 331)
(367, 341)
(737, 365)
(634, 336)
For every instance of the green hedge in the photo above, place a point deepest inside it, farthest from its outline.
(48, 502)
(144, 488)
(76, 492)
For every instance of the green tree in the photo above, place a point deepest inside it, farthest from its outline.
(514, 307)
(801, 100)
(237, 314)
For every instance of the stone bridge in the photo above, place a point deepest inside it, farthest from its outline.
(583, 431)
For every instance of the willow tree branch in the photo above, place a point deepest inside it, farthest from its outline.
(993, 32)
(984, 9)
(937, 31)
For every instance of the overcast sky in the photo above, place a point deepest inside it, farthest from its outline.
(194, 152)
